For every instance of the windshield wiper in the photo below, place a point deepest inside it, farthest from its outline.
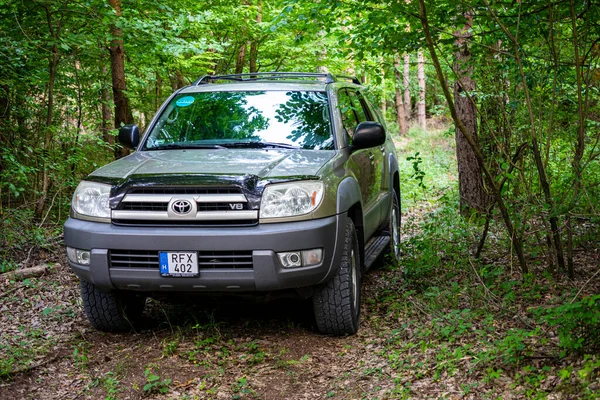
(181, 146)
(260, 145)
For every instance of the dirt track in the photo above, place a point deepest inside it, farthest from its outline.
(219, 350)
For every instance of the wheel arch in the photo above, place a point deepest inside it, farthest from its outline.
(349, 201)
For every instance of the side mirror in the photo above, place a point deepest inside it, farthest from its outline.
(129, 136)
(368, 134)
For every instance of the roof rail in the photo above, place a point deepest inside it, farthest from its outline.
(254, 76)
(352, 79)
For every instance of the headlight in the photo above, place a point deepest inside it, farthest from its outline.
(291, 199)
(91, 200)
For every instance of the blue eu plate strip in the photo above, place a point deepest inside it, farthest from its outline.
(164, 262)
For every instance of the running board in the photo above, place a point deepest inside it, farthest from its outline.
(374, 248)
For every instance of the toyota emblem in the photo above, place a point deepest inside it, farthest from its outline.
(181, 207)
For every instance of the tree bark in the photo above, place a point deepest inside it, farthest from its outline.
(105, 125)
(4, 116)
(241, 59)
(470, 178)
(52, 67)
(383, 94)
(179, 79)
(24, 273)
(157, 91)
(406, 82)
(400, 115)
(421, 117)
(580, 143)
(253, 64)
(123, 113)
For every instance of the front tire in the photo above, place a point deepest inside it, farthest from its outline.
(109, 310)
(337, 303)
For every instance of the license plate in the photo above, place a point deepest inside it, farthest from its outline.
(180, 264)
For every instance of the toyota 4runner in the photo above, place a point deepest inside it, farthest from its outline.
(256, 182)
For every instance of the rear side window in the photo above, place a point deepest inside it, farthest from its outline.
(351, 109)
(295, 118)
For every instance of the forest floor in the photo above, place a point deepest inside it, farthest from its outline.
(441, 325)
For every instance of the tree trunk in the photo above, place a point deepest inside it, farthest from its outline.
(321, 53)
(383, 94)
(105, 125)
(421, 117)
(4, 123)
(179, 79)
(79, 111)
(123, 113)
(400, 116)
(52, 67)
(157, 91)
(254, 44)
(241, 59)
(406, 82)
(470, 179)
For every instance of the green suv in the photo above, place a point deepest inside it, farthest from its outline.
(263, 182)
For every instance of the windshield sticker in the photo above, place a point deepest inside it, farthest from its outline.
(185, 101)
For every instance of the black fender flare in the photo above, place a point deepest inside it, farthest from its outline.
(348, 194)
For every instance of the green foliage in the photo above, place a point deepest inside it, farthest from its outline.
(110, 384)
(578, 324)
(80, 355)
(154, 384)
(243, 389)
(417, 174)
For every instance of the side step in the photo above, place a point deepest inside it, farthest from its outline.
(373, 248)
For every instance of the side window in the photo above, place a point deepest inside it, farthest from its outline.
(369, 99)
(359, 107)
(352, 109)
(349, 119)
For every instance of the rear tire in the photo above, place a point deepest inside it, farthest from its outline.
(394, 225)
(337, 303)
(109, 310)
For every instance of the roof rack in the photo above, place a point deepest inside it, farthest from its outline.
(254, 76)
(352, 79)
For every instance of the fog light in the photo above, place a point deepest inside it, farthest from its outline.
(290, 260)
(77, 256)
(312, 257)
(304, 258)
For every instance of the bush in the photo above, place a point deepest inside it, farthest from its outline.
(578, 324)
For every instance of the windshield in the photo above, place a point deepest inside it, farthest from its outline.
(216, 120)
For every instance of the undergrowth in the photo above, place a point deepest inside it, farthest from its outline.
(479, 316)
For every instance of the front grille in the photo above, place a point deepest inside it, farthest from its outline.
(219, 207)
(206, 259)
(225, 259)
(175, 224)
(141, 206)
(210, 206)
(185, 190)
(133, 259)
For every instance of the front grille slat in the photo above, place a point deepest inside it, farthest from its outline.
(206, 259)
(214, 206)
(139, 206)
(185, 190)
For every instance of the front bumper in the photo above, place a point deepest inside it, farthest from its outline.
(264, 240)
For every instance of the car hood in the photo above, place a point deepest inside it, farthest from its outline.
(261, 163)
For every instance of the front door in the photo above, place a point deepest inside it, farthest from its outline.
(364, 161)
